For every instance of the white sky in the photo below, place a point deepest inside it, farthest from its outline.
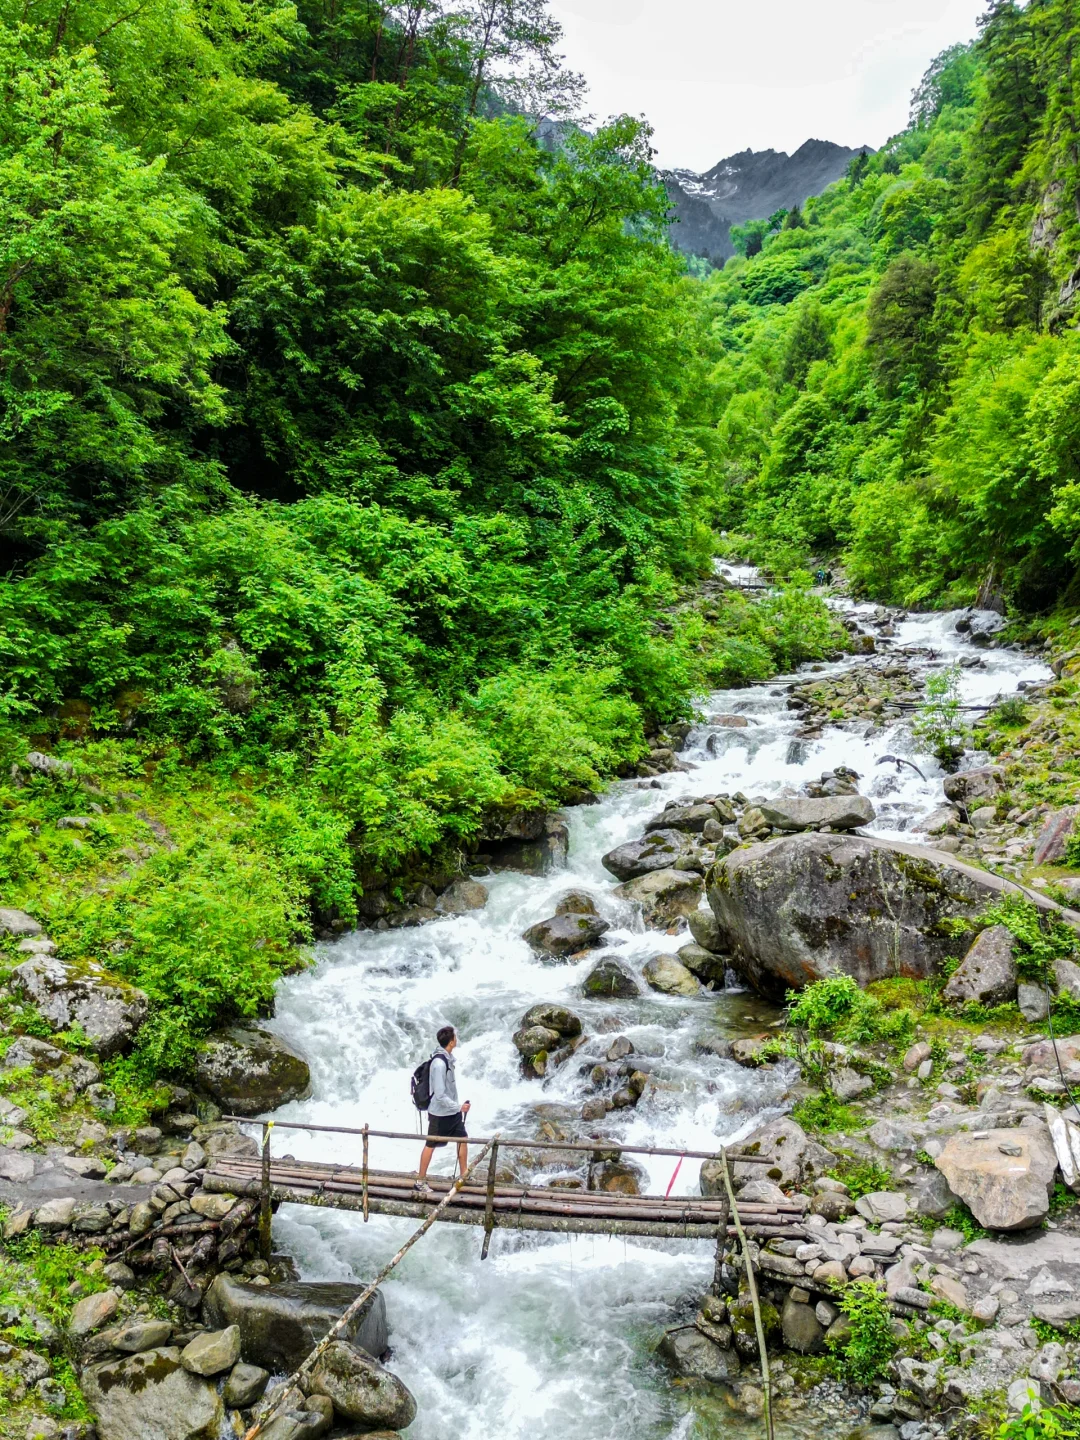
(718, 76)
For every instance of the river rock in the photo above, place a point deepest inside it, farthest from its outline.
(151, 1396)
(140, 1335)
(535, 1040)
(971, 786)
(666, 974)
(563, 935)
(361, 1389)
(250, 1071)
(1003, 1176)
(212, 1352)
(703, 963)
(610, 980)
(461, 897)
(811, 905)
(46, 1059)
(92, 1311)
(796, 812)
(553, 1017)
(655, 851)
(281, 1324)
(664, 895)
(575, 902)
(987, 973)
(802, 1329)
(107, 1009)
(617, 1177)
(694, 1355)
(1067, 978)
(706, 930)
(244, 1386)
(691, 818)
(309, 1423)
(796, 1157)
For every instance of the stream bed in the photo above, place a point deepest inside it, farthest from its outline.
(552, 1337)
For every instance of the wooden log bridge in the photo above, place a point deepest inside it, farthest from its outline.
(498, 1205)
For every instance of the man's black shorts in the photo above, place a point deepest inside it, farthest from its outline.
(452, 1127)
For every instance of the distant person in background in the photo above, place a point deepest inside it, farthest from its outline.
(446, 1115)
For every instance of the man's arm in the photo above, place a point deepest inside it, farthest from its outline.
(437, 1078)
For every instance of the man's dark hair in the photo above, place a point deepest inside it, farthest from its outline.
(445, 1035)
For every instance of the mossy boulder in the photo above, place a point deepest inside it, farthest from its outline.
(251, 1071)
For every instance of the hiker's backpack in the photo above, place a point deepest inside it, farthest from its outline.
(420, 1084)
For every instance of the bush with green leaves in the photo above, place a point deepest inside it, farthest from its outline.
(1049, 1422)
(871, 1344)
(837, 1006)
(938, 725)
(1040, 939)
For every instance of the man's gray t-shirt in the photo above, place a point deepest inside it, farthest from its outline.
(444, 1097)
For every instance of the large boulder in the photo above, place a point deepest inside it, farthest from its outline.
(107, 1009)
(461, 897)
(610, 980)
(695, 1355)
(974, 787)
(1003, 1176)
(664, 895)
(806, 906)
(654, 851)
(703, 963)
(705, 929)
(531, 841)
(798, 812)
(563, 935)
(281, 1324)
(684, 817)
(670, 977)
(795, 1157)
(72, 1071)
(150, 1396)
(17, 923)
(552, 1017)
(987, 973)
(251, 1071)
(360, 1389)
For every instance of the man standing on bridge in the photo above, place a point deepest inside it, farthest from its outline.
(446, 1117)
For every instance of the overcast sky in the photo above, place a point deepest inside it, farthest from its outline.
(715, 76)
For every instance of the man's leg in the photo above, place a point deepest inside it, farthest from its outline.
(463, 1156)
(425, 1160)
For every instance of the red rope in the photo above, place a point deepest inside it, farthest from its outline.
(674, 1176)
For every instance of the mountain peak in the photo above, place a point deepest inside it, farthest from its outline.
(749, 185)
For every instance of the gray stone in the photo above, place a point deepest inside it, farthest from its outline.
(882, 1205)
(244, 1386)
(535, 1040)
(1003, 1176)
(1054, 836)
(807, 906)
(151, 1396)
(281, 1324)
(46, 1059)
(664, 895)
(706, 931)
(55, 1214)
(802, 1329)
(1024, 1394)
(361, 1389)
(796, 1158)
(840, 812)
(251, 1071)
(92, 1312)
(697, 1357)
(296, 1424)
(563, 935)
(848, 1084)
(16, 1166)
(107, 1009)
(552, 1017)
(666, 974)
(1067, 978)
(987, 973)
(655, 851)
(1031, 1001)
(971, 786)
(609, 980)
(461, 897)
(692, 818)
(708, 967)
(140, 1335)
(575, 902)
(17, 922)
(212, 1352)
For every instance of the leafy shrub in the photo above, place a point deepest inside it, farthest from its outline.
(1038, 939)
(938, 725)
(837, 1005)
(863, 1177)
(1049, 1423)
(825, 1113)
(871, 1345)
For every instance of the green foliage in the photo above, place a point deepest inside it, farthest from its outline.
(938, 725)
(863, 1177)
(1048, 1423)
(1039, 940)
(826, 1114)
(837, 1006)
(871, 1345)
(959, 1217)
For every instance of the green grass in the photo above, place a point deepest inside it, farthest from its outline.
(826, 1114)
(863, 1177)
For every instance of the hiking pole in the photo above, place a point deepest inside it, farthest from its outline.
(361, 1300)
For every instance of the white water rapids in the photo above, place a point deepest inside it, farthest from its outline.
(551, 1338)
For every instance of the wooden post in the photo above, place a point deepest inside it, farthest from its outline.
(265, 1212)
(721, 1246)
(489, 1211)
(751, 1285)
(365, 1174)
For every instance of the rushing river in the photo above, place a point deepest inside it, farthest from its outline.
(551, 1338)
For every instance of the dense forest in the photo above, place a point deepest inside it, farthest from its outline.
(363, 440)
(900, 368)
